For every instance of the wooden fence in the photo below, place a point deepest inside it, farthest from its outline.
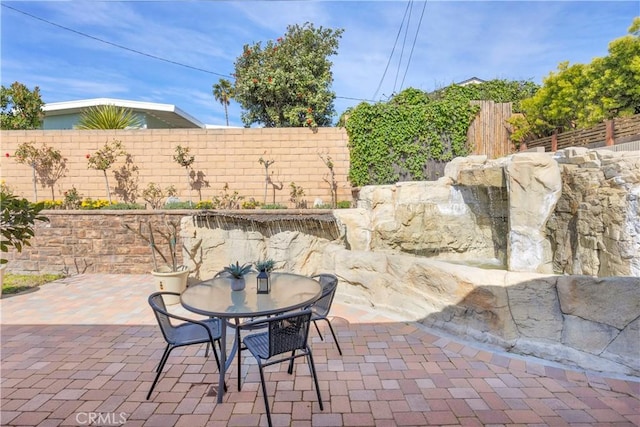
(489, 133)
(607, 133)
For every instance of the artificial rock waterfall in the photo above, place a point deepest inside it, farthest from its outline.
(537, 253)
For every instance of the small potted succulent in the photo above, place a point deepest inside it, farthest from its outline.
(263, 281)
(265, 265)
(236, 273)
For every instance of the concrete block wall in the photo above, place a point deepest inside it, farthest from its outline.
(221, 155)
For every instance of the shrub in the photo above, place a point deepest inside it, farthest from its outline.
(53, 204)
(204, 204)
(296, 192)
(17, 219)
(155, 196)
(227, 200)
(251, 204)
(123, 206)
(90, 204)
(178, 205)
(72, 199)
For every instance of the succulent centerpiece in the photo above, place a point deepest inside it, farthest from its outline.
(237, 273)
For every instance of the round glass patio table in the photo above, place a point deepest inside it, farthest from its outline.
(214, 298)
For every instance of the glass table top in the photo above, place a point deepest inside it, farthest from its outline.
(215, 298)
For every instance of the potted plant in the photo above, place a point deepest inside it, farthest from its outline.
(237, 272)
(265, 265)
(263, 281)
(17, 219)
(170, 275)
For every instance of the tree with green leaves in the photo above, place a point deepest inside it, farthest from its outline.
(108, 117)
(104, 158)
(47, 164)
(582, 95)
(287, 82)
(223, 93)
(20, 108)
(184, 159)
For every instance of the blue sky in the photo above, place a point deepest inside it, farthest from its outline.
(456, 40)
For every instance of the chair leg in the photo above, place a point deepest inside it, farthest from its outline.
(264, 394)
(318, 329)
(334, 336)
(312, 368)
(239, 357)
(165, 356)
(293, 355)
(215, 354)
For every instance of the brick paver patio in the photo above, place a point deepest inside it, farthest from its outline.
(82, 351)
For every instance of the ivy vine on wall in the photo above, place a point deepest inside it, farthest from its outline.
(397, 140)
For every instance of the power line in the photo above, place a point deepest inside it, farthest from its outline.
(392, 51)
(143, 53)
(115, 44)
(404, 42)
(355, 99)
(424, 6)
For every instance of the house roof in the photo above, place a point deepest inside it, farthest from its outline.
(472, 80)
(168, 113)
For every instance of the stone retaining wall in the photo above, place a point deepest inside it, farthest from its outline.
(75, 242)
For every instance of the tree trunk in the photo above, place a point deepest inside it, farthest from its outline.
(106, 180)
(35, 184)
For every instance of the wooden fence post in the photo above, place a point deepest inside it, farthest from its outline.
(554, 142)
(610, 136)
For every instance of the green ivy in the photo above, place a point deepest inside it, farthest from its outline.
(396, 140)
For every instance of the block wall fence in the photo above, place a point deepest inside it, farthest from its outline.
(221, 156)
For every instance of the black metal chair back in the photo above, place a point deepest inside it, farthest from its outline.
(329, 284)
(187, 332)
(287, 333)
(322, 306)
(162, 316)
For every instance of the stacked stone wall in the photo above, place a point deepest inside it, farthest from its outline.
(77, 242)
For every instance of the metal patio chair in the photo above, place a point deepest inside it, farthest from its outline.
(320, 309)
(188, 332)
(287, 333)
